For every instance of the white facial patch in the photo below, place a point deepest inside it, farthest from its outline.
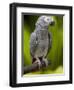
(48, 19)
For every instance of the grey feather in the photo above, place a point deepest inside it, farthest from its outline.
(33, 43)
(41, 39)
(50, 42)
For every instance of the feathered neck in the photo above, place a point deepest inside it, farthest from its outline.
(39, 27)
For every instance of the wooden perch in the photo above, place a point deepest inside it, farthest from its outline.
(33, 67)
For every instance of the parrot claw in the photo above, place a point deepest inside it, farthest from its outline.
(45, 61)
(39, 63)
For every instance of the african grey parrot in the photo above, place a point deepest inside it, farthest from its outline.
(40, 40)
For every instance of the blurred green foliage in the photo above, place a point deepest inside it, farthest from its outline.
(56, 53)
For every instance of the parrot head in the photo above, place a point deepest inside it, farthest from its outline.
(49, 20)
(45, 21)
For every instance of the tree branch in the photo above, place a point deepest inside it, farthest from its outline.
(34, 67)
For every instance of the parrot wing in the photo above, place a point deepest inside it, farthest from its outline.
(33, 43)
(50, 41)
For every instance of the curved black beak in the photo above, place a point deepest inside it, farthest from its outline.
(52, 23)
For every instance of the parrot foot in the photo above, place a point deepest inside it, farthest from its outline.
(38, 62)
(45, 61)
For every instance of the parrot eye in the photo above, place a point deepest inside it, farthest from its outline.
(48, 19)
